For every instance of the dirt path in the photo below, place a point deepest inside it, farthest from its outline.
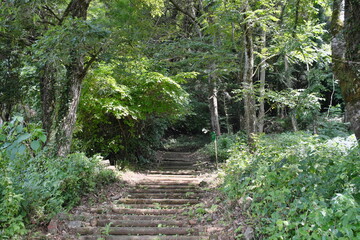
(155, 206)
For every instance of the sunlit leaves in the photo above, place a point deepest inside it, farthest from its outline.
(16, 139)
(300, 186)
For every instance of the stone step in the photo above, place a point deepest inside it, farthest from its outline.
(143, 237)
(149, 206)
(175, 172)
(169, 182)
(176, 167)
(165, 190)
(176, 163)
(177, 159)
(178, 176)
(115, 217)
(153, 208)
(172, 168)
(136, 211)
(141, 223)
(166, 185)
(173, 179)
(160, 201)
(139, 230)
(163, 195)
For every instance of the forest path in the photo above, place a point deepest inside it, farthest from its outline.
(155, 206)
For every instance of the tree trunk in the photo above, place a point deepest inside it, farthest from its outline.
(249, 100)
(261, 117)
(59, 107)
(294, 122)
(214, 106)
(350, 83)
(70, 102)
(288, 80)
(226, 110)
(48, 97)
(346, 58)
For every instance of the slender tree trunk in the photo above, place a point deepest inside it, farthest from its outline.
(193, 15)
(288, 80)
(261, 118)
(48, 100)
(346, 58)
(228, 126)
(249, 100)
(289, 84)
(214, 106)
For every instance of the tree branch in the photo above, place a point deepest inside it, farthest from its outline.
(192, 18)
(46, 7)
(262, 62)
(178, 7)
(93, 58)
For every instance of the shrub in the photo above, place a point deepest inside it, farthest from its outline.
(225, 144)
(301, 186)
(33, 186)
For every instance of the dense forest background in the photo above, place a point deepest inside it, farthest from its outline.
(117, 77)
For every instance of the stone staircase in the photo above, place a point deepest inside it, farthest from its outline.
(155, 207)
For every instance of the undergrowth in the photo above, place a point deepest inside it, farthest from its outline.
(297, 186)
(34, 187)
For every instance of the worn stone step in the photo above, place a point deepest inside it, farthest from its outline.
(176, 167)
(143, 237)
(179, 176)
(170, 177)
(172, 168)
(169, 182)
(161, 201)
(175, 172)
(153, 209)
(139, 230)
(163, 195)
(165, 190)
(141, 223)
(177, 159)
(116, 217)
(176, 163)
(149, 206)
(136, 211)
(166, 185)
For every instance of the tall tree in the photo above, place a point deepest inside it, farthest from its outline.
(59, 106)
(346, 57)
(249, 97)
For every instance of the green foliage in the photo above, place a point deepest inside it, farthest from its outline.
(125, 108)
(300, 186)
(11, 215)
(303, 105)
(331, 124)
(225, 143)
(21, 140)
(34, 187)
